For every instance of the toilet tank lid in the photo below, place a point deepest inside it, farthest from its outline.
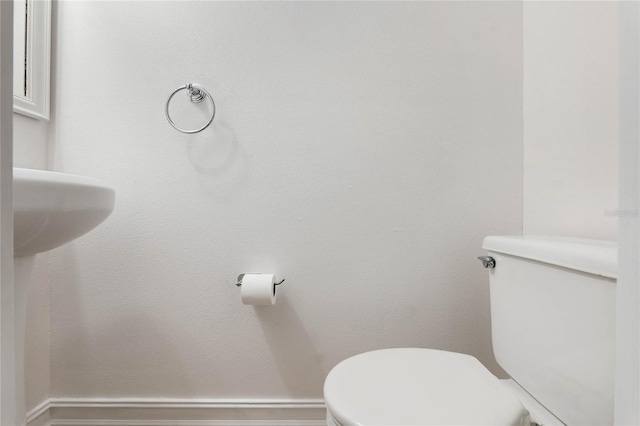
(595, 257)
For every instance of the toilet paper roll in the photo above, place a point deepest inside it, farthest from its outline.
(258, 289)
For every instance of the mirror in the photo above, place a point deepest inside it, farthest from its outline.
(31, 57)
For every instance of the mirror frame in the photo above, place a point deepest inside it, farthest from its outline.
(36, 103)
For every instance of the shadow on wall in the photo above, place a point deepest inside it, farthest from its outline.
(216, 157)
(293, 352)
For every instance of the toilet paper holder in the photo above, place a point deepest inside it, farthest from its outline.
(241, 276)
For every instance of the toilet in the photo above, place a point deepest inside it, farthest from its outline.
(553, 327)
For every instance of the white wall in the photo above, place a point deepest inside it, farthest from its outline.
(30, 142)
(571, 119)
(37, 355)
(627, 391)
(361, 151)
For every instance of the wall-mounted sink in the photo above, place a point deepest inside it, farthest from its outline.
(51, 209)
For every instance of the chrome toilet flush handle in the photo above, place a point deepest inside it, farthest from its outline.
(487, 261)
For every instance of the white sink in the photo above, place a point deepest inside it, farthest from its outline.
(51, 209)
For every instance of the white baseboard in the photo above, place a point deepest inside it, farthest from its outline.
(39, 416)
(177, 412)
(187, 423)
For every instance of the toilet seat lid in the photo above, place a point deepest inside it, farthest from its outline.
(410, 386)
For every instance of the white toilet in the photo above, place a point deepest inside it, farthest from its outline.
(553, 324)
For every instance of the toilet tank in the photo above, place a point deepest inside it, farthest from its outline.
(553, 322)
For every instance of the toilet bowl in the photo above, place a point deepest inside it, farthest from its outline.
(411, 386)
(569, 284)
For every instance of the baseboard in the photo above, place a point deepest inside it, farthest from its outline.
(39, 416)
(174, 412)
(187, 423)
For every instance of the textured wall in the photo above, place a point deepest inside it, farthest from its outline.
(571, 118)
(30, 142)
(37, 355)
(361, 151)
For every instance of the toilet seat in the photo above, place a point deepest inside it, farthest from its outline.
(411, 386)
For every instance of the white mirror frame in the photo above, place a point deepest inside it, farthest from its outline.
(36, 103)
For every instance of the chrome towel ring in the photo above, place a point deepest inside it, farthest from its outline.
(196, 95)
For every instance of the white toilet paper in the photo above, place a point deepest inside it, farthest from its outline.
(258, 289)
